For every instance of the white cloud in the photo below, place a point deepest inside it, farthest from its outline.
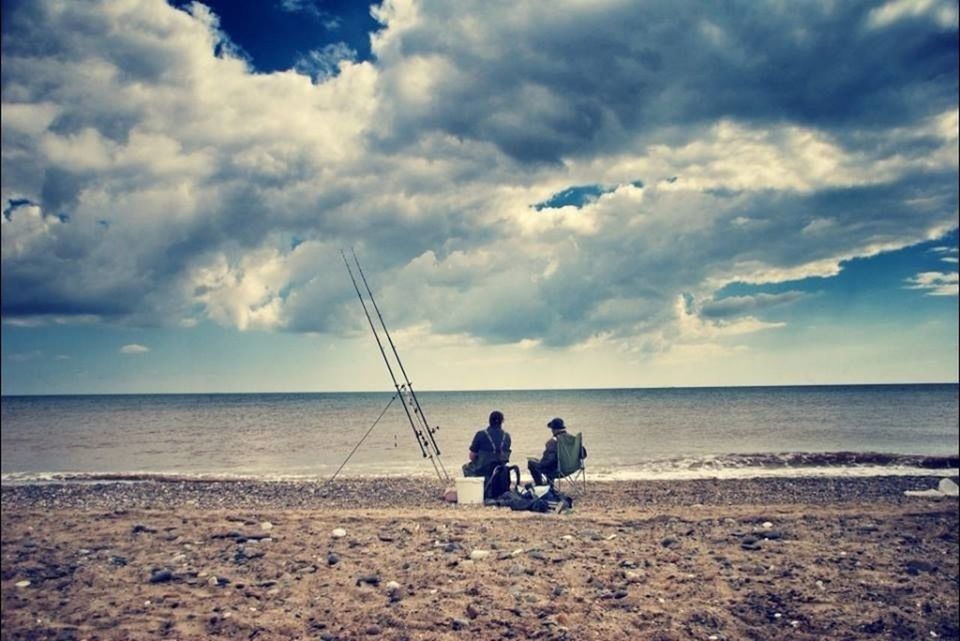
(943, 12)
(936, 283)
(198, 190)
(134, 348)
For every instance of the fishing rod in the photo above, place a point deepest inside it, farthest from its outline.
(417, 408)
(427, 445)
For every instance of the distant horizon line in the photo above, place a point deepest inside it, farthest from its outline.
(491, 390)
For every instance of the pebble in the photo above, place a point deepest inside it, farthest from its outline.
(338, 533)
(332, 559)
(266, 525)
(915, 567)
(23, 584)
(392, 586)
(479, 555)
(767, 525)
(161, 576)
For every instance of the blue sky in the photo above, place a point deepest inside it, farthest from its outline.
(601, 195)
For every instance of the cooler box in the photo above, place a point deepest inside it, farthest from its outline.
(470, 490)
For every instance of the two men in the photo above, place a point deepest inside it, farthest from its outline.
(491, 447)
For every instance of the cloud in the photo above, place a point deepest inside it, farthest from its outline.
(737, 305)
(936, 283)
(134, 348)
(507, 176)
(544, 88)
(325, 63)
(943, 12)
(23, 357)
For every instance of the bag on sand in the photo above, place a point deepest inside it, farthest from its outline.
(526, 500)
(499, 483)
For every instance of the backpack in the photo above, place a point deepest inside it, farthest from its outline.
(526, 500)
(499, 482)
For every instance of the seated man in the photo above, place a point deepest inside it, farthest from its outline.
(490, 448)
(546, 466)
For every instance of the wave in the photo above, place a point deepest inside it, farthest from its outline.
(783, 464)
(786, 464)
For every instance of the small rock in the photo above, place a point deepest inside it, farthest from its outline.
(140, 527)
(161, 576)
(773, 535)
(373, 630)
(118, 560)
(392, 586)
(472, 611)
(23, 584)
(750, 542)
(332, 559)
(915, 567)
(767, 525)
(369, 579)
(479, 555)
(266, 525)
(459, 624)
(669, 542)
(948, 488)
(338, 533)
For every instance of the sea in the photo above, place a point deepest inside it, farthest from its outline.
(671, 433)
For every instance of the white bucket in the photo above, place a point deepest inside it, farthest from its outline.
(469, 490)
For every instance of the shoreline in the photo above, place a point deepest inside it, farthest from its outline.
(764, 559)
(421, 492)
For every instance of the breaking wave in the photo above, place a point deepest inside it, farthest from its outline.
(785, 464)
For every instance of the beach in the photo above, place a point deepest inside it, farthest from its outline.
(777, 558)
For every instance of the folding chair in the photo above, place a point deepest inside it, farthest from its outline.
(570, 466)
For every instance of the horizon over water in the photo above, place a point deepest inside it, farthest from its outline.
(667, 432)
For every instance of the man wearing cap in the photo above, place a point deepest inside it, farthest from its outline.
(490, 447)
(546, 465)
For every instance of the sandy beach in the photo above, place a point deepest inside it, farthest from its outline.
(814, 558)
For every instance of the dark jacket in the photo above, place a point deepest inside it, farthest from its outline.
(491, 446)
(549, 459)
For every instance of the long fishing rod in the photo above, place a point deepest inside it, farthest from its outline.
(382, 351)
(418, 409)
(425, 446)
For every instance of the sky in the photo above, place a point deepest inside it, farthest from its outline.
(542, 195)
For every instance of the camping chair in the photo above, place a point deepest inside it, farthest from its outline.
(570, 465)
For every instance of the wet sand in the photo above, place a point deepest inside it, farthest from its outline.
(734, 559)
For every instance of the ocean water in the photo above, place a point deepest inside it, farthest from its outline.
(629, 433)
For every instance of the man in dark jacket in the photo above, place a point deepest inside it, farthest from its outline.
(545, 468)
(490, 447)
